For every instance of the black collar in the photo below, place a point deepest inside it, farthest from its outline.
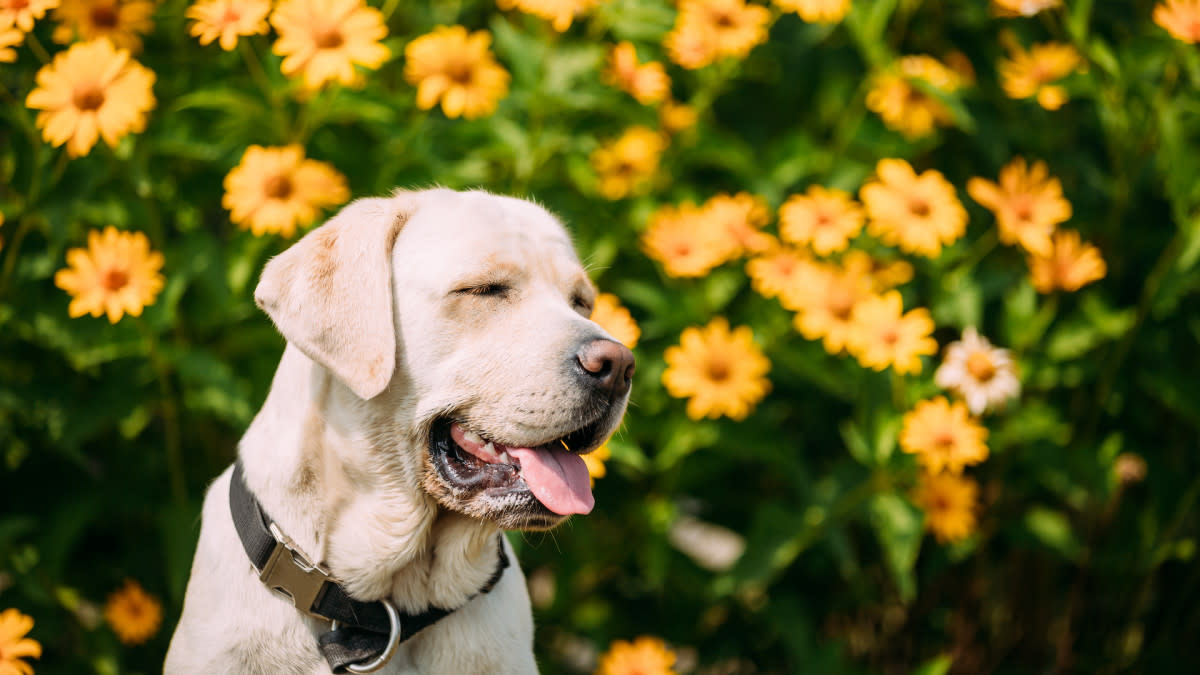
(362, 631)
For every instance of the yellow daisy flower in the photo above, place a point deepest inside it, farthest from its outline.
(686, 241)
(884, 274)
(274, 190)
(740, 216)
(225, 20)
(691, 45)
(644, 656)
(1180, 18)
(1031, 74)
(626, 165)
(719, 371)
(14, 646)
(985, 376)
(646, 82)
(325, 39)
(122, 21)
(676, 117)
(1023, 7)
(825, 219)
(825, 305)
(943, 436)
(882, 335)
(456, 69)
(707, 30)
(816, 11)
(560, 13)
(1070, 266)
(918, 213)
(22, 13)
(9, 39)
(900, 96)
(1028, 204)
(780, 272)
(949, 503)
(595, 460)
(133, 614)
(90, 91)
(116, 274)
(615, 319)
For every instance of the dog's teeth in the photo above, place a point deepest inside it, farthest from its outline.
(505, 458)
(472, 437)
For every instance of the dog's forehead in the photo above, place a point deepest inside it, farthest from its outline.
(462, 231)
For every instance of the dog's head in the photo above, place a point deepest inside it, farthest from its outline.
(463, 319)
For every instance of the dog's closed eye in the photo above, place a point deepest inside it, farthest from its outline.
(488, 289)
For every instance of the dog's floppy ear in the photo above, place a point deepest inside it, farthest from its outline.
(330, 294)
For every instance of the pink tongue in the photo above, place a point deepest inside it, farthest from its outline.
(558, 478)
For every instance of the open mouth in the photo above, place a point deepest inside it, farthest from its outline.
(553, 472)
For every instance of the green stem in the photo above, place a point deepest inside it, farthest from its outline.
(1113, 364)
(313, 114)
(980, 249)
(259, 75)
(173, 436)
(389, 7)
(36, 47)
(13, 249)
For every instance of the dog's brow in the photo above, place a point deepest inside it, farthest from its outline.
(493, 271)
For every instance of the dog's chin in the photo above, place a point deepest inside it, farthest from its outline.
(493, 488)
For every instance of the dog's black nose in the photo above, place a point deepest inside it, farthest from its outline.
(607, 365)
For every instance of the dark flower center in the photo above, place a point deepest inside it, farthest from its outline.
(460, 72)
(88, 97)
(718, 369)
(1022, 207)
(944, 440)
(919, 207)
(114, 280)
(104, 16)
(329, 38)
(980, 366)
(278, 187)
(840, 303)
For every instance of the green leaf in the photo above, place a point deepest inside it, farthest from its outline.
(1053, 529)
(682, 438)
(939, 665)
(1099, 324)
(857, 444)
(897, 526)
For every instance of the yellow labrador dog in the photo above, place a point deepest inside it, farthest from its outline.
(440, 381)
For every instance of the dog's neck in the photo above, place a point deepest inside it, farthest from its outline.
(345, 487)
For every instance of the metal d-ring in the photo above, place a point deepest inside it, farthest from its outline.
(393, 642)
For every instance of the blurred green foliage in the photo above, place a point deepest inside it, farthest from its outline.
(109, 433)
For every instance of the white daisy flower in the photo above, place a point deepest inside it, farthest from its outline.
(985, 376)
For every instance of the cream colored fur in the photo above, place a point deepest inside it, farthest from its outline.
(337, 454)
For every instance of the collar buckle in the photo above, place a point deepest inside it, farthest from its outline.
(288, 571)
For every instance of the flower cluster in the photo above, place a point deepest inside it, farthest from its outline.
(691, 240)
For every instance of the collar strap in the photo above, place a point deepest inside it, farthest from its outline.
(362, 631)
